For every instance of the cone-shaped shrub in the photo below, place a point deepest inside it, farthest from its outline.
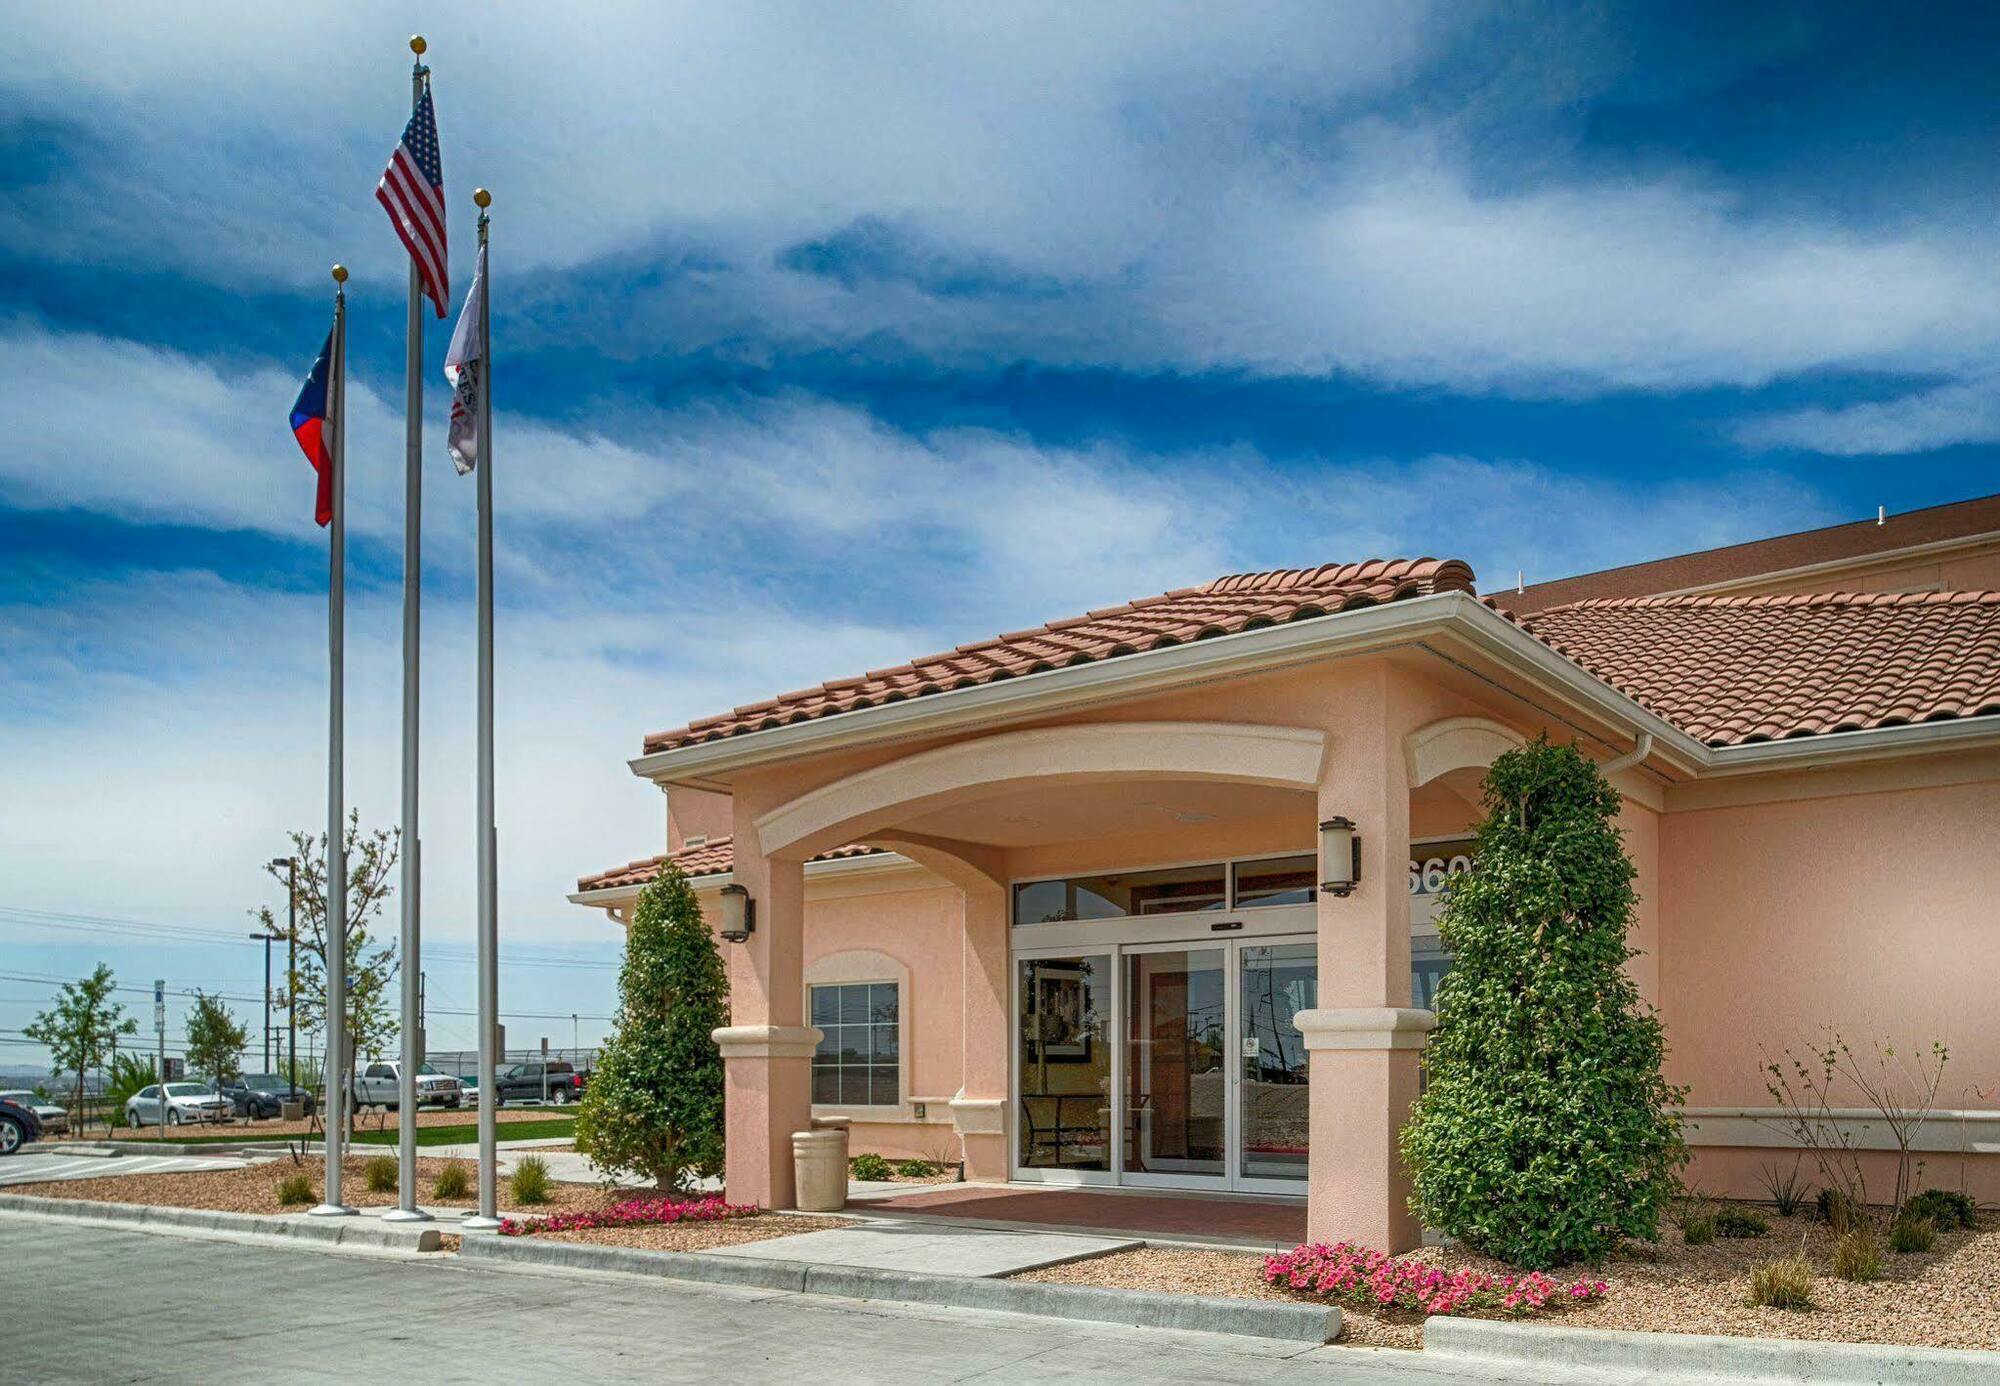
(654, 1104)
(1545, 1131)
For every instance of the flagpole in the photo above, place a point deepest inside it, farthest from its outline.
(334, 1107)
(489, 918)
(406, 1209)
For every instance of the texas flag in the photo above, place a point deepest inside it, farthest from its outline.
(310, 428)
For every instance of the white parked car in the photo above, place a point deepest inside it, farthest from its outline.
(54, 1119)
(186, 1103)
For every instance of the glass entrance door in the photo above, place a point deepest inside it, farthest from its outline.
(1176, 1107)
(1275, 982)
(1165, 1064)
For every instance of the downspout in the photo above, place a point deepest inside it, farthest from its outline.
(1641, 748)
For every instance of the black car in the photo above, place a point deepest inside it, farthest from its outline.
(18, 1126)
(261, 1094)
(561, 1085)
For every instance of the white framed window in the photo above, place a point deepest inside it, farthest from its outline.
(859, 1061)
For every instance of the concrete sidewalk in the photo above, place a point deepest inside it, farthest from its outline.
(925, 1249)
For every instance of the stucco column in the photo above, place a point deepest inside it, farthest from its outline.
(979, 1111)
(766, 1047)
(979, 1108)
(1364, 1039)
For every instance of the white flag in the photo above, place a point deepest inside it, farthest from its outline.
(462, 368)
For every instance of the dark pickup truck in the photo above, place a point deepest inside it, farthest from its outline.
(523, 1082)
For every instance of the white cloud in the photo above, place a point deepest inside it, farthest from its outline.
(1266, 188)
(1967, 412)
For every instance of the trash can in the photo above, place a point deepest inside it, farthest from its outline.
(819, 1166)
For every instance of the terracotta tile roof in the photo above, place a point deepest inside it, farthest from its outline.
(1738, 562)
(712, 858)
(1730, 670)
(1223, 607)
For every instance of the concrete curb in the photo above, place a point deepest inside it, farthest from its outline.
(1526, 1351)
(1296, 1323)
(353, 1232)
(115, 1149)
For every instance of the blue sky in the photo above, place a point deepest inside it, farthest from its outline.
(826, 336)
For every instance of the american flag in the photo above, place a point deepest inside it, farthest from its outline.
(412, 189)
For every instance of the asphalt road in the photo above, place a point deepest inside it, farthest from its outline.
(93, 1304)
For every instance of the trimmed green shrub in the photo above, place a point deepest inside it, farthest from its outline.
(654, 1105)
(917, 1169)
(1857, 1255)
(1698, 1229)
(870, 1166)
(1545, 1133)
(379, 1174)
(1740, 1222)
(1944, 1207)
(531, 1180)
(453, 1181)
(296, 1190)
(1785, 1283)
(1908, 1234)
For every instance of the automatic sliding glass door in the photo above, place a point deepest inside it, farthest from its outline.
(1165, 1064)
(1276, 982)
(1176, 1100)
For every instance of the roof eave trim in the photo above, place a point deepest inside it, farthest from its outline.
(1268, 647)
(1948, 734)
(606, 897)
(706, 764)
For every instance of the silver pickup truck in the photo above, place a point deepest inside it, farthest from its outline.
(380, 1085)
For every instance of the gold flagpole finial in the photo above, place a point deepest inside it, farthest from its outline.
(340, 274)
(481, 198)
(417, 44)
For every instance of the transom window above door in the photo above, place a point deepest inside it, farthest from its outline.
(1209, 887)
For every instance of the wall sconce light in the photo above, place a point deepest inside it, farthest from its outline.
(739, 913)
(1339, 857)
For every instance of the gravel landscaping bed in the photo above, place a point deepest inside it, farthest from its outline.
(699, 1236)
(255, 1189)
(1948, 1297)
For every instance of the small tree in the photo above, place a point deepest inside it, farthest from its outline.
(1545, 1131)
(215, 1038)
(654, 1104)
(83, 1026)
(371, 858)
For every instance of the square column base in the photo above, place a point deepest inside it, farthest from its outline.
(767, 1098)
(1363, 1080)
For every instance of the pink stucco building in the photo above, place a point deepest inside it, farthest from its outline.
(1058, 899)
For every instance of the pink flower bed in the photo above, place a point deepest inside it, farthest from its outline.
(651, 1211)
(1378, 1280)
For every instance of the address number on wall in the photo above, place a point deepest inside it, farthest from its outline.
(1428, 875)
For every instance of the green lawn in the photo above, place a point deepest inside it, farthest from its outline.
(467, 1134)
(426, 1135)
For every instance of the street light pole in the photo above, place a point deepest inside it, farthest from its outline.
(267, 940)
(291, 865)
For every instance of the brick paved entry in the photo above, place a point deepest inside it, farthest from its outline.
(1242, 1220)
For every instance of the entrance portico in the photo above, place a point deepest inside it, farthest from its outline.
(1125, 1019)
